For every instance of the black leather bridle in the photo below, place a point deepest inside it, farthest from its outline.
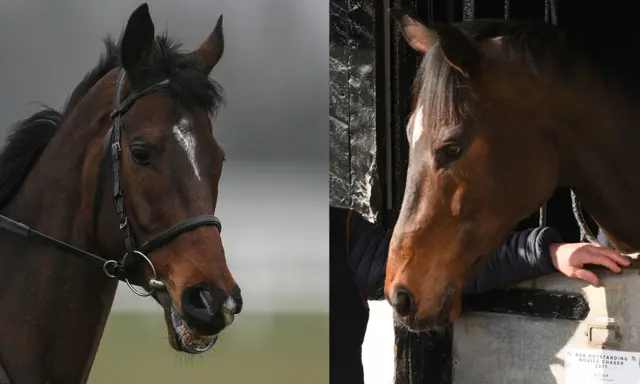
(118, 269)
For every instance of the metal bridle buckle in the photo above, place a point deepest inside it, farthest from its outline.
(154, 283)
(116, 150)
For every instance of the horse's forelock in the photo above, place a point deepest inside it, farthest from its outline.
(437, 89)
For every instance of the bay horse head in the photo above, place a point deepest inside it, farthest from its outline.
(482, 157)
(132, 170)
(171, 167)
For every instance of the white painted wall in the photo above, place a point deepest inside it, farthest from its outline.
(378, 346)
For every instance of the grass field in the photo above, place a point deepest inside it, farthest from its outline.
(258, 348)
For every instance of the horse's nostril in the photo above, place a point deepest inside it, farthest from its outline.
(403, 302)
(194, 298)
(207, 309)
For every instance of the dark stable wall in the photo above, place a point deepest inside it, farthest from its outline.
(353, 176)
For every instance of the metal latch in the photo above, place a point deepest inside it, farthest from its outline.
(604, 335)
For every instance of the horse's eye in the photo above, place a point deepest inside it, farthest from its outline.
(447, 154)
(140, 154)
(452, 151)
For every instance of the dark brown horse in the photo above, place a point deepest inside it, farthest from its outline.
(122, 185)
(505, 112)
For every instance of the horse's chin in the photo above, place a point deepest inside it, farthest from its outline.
(181, 337)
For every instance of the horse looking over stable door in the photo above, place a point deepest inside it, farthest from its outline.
(504, 112)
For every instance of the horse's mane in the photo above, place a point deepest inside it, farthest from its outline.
(536, 44)
(29, 137)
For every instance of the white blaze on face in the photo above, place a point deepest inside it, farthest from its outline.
(417, 128)
(183, 133)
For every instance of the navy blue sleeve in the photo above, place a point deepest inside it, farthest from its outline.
(368, 252)
(358, 252)
(524, 255)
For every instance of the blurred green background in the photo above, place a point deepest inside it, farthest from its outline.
(257, 348)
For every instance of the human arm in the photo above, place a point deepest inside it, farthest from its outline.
(366, 250)
(536, 252)
(524, 255)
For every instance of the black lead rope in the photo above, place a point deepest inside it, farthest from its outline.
(586, 231)
(542, 218)
(582, 223)
(577, 214)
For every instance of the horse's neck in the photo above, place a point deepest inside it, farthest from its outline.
(54, 306)
(600, 159)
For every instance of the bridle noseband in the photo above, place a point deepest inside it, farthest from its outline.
(119, 269)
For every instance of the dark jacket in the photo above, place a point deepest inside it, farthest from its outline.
(522, 256)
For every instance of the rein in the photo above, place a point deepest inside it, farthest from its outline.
(112, 150)
(582, 223)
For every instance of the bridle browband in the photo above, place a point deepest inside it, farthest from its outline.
(112, 150)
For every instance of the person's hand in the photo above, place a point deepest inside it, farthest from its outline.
(570, 259)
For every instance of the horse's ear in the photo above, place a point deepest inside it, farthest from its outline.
(417, 35)
(137, 40)
(459, 51)
(210, 52)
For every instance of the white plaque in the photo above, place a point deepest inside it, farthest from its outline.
(595, 366)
